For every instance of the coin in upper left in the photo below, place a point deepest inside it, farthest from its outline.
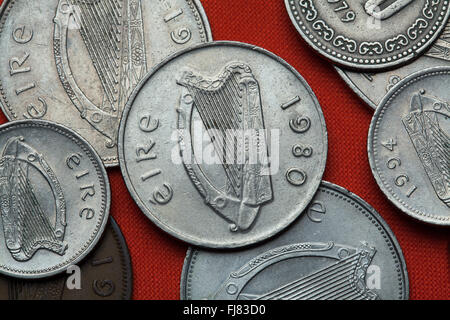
(54, 198)
(76, 62)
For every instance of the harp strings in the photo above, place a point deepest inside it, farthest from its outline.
(441, 143)
(220, 109)
(99, 22)
(34, 223)
(331, 282)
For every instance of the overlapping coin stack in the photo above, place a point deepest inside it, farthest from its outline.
(221, 144)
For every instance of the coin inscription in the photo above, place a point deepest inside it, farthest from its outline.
(206, 145)
(97, 51)
(54, 205)
(409, 145)
(369, 34)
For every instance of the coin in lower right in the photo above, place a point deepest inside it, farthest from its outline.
(409, 145)
(340, 249)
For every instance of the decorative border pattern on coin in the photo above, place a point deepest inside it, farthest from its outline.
(373, 140)
(105, 198)
(350, 53)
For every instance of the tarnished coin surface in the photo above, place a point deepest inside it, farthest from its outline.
(372, 87)
(341, 249)
(369, 34)
(76, 62)
(409, 145)
(54, 195)
(223, 145)
(105, 274)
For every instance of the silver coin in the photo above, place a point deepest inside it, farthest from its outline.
(369, 34)
(223, 145)
(55, 198)
(340, 249)
(372, 87)
(409, 145)
(76, 62)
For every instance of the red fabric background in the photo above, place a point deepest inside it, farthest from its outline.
(158, 258)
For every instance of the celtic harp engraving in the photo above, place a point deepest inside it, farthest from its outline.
(232, 102)
(348, 269)
(26, 226)
(113, 34)
(431, 142)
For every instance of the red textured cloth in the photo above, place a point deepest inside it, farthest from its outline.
(158, 258)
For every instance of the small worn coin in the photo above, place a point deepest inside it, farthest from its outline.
(76, 62)
(54, 198)
(223, 145)
(340, 249)
(369, 34)
(409, 145)
(105, 274)
(372, 87)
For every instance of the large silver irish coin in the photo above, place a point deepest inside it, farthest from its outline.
(409, 145)
(223, 145)
(54, 198)
(76, 62)
(372, 87)
(369, 34)
(341, 249)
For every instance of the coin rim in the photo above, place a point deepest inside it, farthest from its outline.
(315, 182)
(344, 76)
(107, 163)
(126, 263)
(107, 202)
(385, 103)
(326, 185)
(370, 67)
